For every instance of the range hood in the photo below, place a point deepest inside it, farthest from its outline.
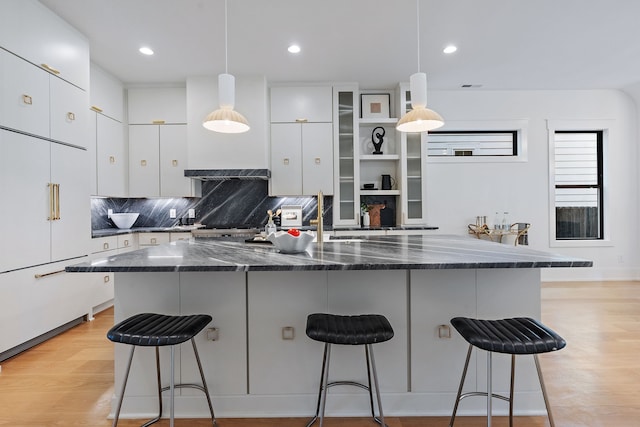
(224, 174)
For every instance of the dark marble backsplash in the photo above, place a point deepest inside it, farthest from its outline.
(227, 203)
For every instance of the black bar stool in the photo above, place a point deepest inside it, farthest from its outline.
(515, 336)
(364, 330)
(157, 330)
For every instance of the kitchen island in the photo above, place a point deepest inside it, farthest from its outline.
(257, 358)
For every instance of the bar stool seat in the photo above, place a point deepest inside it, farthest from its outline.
(515, 336)
(366, 329)
(158, 330)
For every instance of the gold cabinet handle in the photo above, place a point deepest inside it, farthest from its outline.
(51, 216)
(56, 191)
(26, 99)
(105, 245)
(288, 333)
(71, 116)
(50, 69)
(317, 160)
(112, 159)
(96, 109)
(153, 240)
(301, 120)
(143, 163)
(174, 163)
(158, 122)
(285, 161)
(40, 276)
(106, 279)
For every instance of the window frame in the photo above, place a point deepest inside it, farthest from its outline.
(519, 126)
(577, 126)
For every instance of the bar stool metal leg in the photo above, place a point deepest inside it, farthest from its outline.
(513, 375)
(324, 364)
(489, 389)
(325, 383)
(205, 388)
(124, 386)
(375, 380)
(156, 419)
(458, 396)
(544, 391)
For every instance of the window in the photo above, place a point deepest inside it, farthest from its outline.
(579, 182)
(473, 143)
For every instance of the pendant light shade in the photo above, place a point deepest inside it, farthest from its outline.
(420, 118)
(225, 119)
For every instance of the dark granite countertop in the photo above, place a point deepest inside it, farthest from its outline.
(372, 253)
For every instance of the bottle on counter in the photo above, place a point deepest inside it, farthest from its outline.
(496, 222)
(270, 227)
(505, 221)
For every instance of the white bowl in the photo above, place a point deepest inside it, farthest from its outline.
(124, 220)
(288, 244)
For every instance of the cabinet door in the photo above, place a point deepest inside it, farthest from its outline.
(35, 33)
(278, 300)
(24, 100)
(173, 161)
(144, 161)
(71, 233)
(307, 103)
(69, 116)
(111, 157)
(317, 158)
(25, 200)
(147, 105)
(286, 159)
(380, 292)
(106, 94)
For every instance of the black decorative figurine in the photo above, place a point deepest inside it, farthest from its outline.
(380, 139)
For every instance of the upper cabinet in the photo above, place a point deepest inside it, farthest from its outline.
(107, 94)
(35, 33)
(312, 104)
(165, 105)
(301, 140)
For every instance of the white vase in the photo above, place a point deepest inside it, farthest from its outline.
(366, 219)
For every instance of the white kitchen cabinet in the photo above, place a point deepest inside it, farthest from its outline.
(107, 94)
(278, 304)
(346, 205)
(35, 33)
(301, 104)
(379, 292)
(301, 140)
(69, 116)
(51, 196)
(37, 300)
(153, 239)
(157, 105)
(301, 159)
(157, 160)
(112, 165)
(40, 104)
(24, 104)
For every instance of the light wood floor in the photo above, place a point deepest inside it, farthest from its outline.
(68, 381)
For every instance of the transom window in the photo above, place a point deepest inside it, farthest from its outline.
(473, 143)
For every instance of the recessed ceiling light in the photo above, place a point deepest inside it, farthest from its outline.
(294, 48)
(450, 49)
(146, 50)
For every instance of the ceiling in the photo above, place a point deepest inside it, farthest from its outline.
(502, 44)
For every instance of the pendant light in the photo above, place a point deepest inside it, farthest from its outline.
(420, 118)
(225, 119)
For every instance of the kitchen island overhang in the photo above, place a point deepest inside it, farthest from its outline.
(253, 293)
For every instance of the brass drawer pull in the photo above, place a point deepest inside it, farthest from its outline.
(71, 116)
(27, 99)
(40, 276)
(158, 122)
(96, 109)
(50, 69)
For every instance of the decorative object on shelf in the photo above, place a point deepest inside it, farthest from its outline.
(377, 138)
(387, 182)
(364, 212)
(374, 213)
(420, 118)
(375, 105)
(225, 119)
(368, 186)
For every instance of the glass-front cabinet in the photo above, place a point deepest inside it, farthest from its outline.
(346, 204)
(413, 164)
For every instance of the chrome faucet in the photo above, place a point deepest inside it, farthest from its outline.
(319, 221)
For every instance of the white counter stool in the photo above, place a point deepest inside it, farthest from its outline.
(521, 335)
(157, 330)
(364, 330)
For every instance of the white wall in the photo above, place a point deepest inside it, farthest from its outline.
(457, 192)
(211, 150)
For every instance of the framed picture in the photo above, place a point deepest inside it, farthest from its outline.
(375, 105)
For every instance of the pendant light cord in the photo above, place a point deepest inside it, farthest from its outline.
(417, 29)
(226, 42)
